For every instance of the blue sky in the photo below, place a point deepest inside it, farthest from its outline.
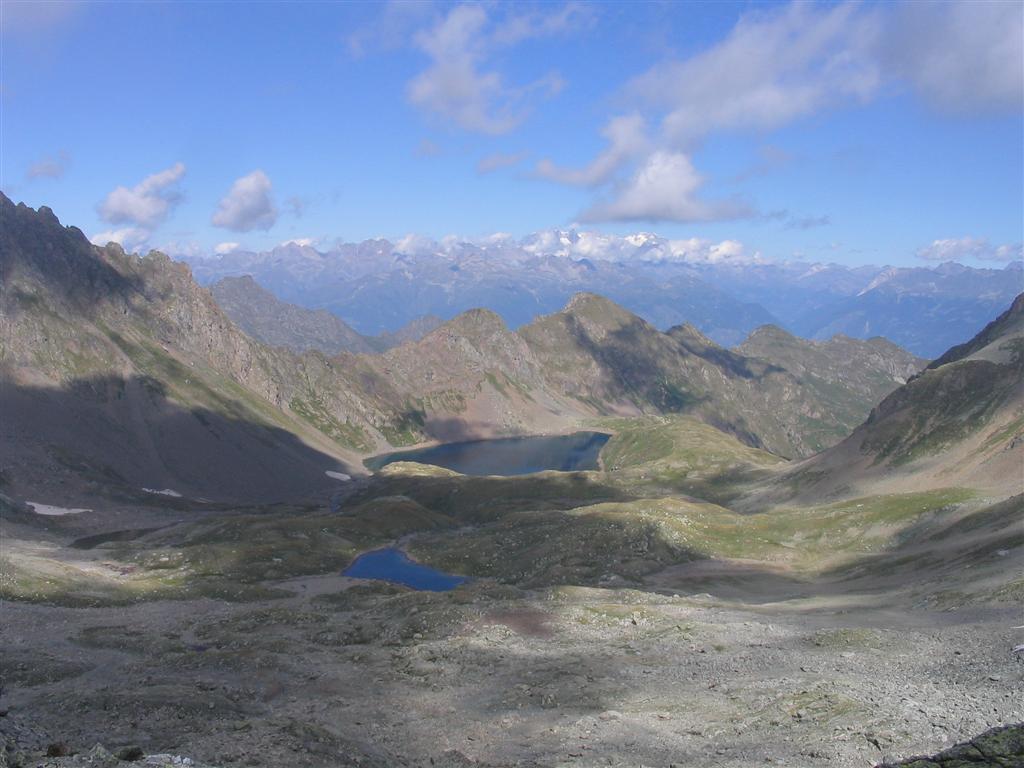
(856, 133)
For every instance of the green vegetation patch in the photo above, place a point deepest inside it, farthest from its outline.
(346, 433)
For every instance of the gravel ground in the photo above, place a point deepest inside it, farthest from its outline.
(354, 673)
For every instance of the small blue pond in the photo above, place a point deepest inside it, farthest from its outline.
(392, 564)
(507, 455)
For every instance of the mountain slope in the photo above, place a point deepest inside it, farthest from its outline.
(265, 317)
(122, 370)
(792, 400)
(278, 323)
(959, 423)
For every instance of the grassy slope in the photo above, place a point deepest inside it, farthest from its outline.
(565, 528)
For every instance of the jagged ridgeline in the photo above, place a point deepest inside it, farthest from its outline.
(122, 369)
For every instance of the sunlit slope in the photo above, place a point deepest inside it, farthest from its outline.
(959, 423)
(639, 523)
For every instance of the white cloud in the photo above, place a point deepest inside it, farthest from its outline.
(49, 167)
(222, 248)
(640, 246)
(571, 17)
(499, 160)
(390, 29)
(664, 188)
(302, 242)
(458, 86)
(148, 203)
(627, 138)
(961, 57)
(413, 244)
(129, 238)
(979, 248)
(772, 68)
(247, 205)
(453, 87)
(782, 64)
(182, 249)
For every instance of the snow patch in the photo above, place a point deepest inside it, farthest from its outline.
(164, 492)
(50, 509)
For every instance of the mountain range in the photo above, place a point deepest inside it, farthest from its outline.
(378, 286)
(122, 367)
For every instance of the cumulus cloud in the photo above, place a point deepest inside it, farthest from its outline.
(961, 57)
(778, 65)
(627, 138)
(302, 242)
(640, 246)
(221, 248)
(413, 244)
(454, 87)
(459, 87)
(186, 250)
(148, 203)
(129, 238)
(664, 188)
(958, 249)
(499, 160)
(569, 18)
(49, 167)
(390, 29)
(772, 68)
(248, 205)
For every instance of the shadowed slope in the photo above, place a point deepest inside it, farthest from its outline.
(115, 436)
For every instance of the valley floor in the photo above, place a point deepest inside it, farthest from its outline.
(613, 618)
(355, 673)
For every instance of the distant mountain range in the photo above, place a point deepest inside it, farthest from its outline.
(121, 370)
(378, 286)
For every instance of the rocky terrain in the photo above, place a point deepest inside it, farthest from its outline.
(173, 547)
